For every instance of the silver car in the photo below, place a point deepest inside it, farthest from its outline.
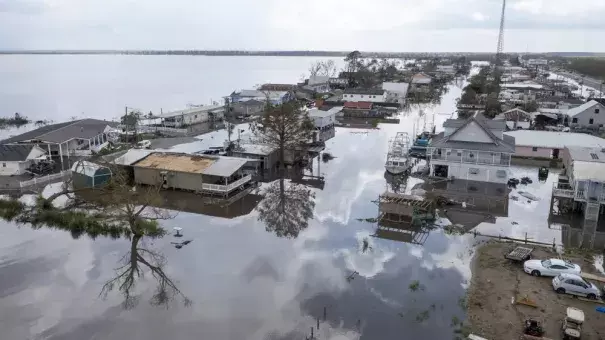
(575, 285)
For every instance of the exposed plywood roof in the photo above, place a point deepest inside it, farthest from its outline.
(197, 164)
(176, 162)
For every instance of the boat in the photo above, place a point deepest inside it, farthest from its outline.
(398, 161)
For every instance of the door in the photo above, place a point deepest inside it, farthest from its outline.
(555, 153)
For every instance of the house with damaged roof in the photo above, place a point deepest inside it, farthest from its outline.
(475, 149)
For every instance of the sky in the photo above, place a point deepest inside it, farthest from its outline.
(344, 25)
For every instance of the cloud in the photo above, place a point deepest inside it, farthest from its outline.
(387, 25)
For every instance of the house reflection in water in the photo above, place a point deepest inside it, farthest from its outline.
(484, 201)
(189, 202)
(589, 238)
(404, 218)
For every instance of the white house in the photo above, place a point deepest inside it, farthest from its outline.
(447, 69)
(587, 115)
(194, 115)
(364, 95)
(475, 149)
(324, 119)
(16, 159)
(319, 84)
(275, 97)
(396, 92)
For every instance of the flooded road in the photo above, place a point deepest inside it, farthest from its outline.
(249, 279)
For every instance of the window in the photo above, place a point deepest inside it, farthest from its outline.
(574, 120)
(195, 116)
(459, 153)
(556, 266)
(4, 165)
(471, 155)
(590, 121)
(501, 173)
(534, 149)
(596, 110)
(473, 171)
(362, 96)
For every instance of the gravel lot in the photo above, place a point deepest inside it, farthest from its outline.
(496, 280)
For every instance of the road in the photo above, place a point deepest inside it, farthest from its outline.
(588, 81)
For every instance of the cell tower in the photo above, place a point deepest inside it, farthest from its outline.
(501, 35)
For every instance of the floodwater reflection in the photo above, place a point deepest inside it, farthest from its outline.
(287, 208)
(136, 262)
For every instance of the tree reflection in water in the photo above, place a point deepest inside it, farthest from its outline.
(287, 208)
(135, 263)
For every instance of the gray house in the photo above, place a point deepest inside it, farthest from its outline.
(588, 115)
(213, 175)
(250, 107)
(475, 149)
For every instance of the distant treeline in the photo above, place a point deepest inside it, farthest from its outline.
(408, 55)
(593, 67)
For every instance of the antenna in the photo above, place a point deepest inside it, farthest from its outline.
(501, 35)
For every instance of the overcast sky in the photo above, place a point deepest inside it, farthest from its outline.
(370, 25)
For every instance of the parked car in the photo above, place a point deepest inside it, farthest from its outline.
(575, 285)
(550, 267)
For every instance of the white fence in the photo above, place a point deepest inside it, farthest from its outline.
(227, 188)
(146, 128)
(45, 179)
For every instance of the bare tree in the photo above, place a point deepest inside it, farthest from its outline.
(323, 68)
(135, 263)
(286, 127)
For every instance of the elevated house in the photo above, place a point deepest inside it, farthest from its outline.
(580, 190)
(212, 175)
(515, 119)
(266, 156)
(16, 159)
(191, 116)
(475, 149)
(589, 115)
(274, 97)
(396, 92)
(556, 102)
(364, 95)
(250, 107)
(420, 83)
(319, 84)
(324, 122)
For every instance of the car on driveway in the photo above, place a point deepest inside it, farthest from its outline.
(550, 267)
(575, 285)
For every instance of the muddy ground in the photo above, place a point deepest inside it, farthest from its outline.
(496, 280)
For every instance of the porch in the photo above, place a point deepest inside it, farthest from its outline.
(471, 157)
(230, 185)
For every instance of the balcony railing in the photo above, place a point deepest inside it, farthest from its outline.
(229, 187)
(485, 160)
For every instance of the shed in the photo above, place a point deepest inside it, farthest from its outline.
(89, 175)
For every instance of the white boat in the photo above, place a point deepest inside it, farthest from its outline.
(398, 161)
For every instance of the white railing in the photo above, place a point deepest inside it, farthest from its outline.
(228, 187)
(145, 128)
(569, 193)
(81, 153)
(45, 179)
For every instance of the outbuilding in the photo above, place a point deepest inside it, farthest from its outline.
(548, 144)
(89, 175)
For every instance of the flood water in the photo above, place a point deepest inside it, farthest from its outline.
(249, 279)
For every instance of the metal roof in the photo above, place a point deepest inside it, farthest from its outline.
(588, 171)
(321, 114)
(596, 155)
(193, 110)
(396, 87)
(554, 140)
(586, 106)
(63, 132)
(132, 156)
(364, 91)
(86, 168)
(255, 149)
(507, 145)
(489, 123)
(225, 166)
(15, 153)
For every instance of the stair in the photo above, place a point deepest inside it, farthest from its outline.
(589, 229)
(592, 211)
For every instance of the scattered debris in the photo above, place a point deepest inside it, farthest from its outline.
(454, 229)
(514, 223)
(525, 300)
(423, 316)
(513, 182)
(365, 245)
(529, 196)
(514, 198)
(326, 157)
(179, 245)
(177, 231)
